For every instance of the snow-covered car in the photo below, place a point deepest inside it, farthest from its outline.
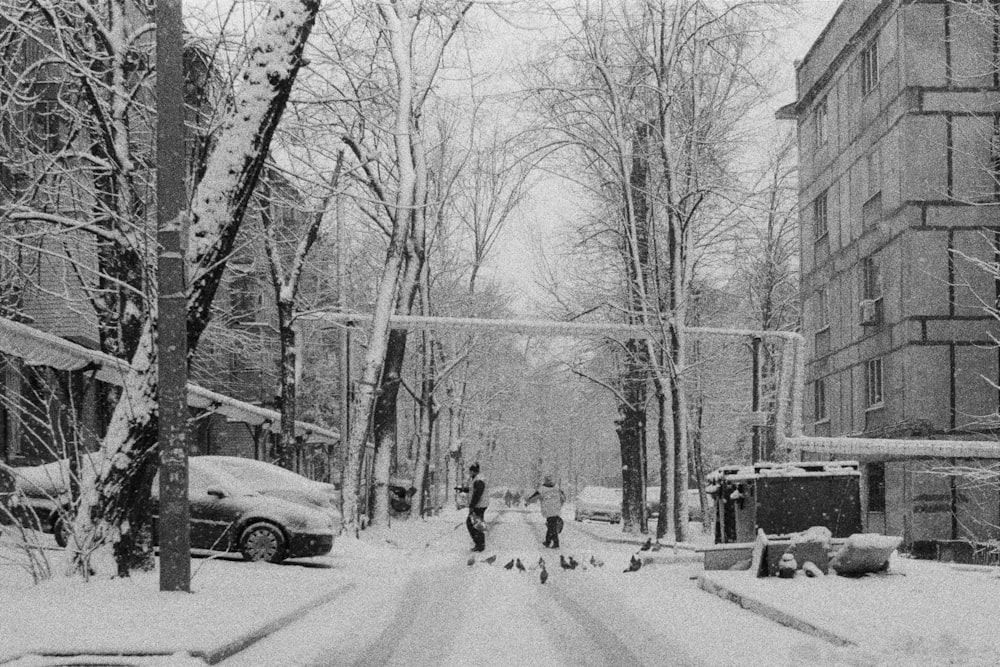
(694, 503)
(599, 503)
(227, 515)
(41, 498)
(273, 480)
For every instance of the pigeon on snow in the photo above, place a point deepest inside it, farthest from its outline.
(573, 563)
(647, 546)
(509, 565)
(519, 564)
(634, 565)
(471, 561)
(491, 559)
(543, 576)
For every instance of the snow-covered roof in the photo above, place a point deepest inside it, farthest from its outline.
(796, 469)
(38, 348)
(893, 448)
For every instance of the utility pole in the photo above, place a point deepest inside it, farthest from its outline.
(171, 199)
(755, 390)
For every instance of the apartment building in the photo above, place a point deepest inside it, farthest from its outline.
(897, 110)
(52, 279)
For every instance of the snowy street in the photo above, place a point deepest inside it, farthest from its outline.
(405, 595)
(429, 607)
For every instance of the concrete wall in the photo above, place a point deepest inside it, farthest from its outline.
(929, 136)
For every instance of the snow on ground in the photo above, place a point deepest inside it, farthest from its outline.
(405, 595)
(920, 613)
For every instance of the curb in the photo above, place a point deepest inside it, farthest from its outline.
(213, 655)
(236, 645)
(772, 613)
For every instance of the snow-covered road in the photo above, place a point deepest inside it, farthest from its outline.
(422, 604)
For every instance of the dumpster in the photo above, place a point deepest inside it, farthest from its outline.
(785, 498)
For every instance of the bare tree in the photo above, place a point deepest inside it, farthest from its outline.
(286, 287)
(219, 202)
(648, 94)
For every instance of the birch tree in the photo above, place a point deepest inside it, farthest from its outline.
(402, 200)
(219, 203)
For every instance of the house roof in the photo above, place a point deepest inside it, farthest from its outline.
(38, 348)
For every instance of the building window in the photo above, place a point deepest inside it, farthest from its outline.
(820, 219)
(822, 309)
(873, 383)
(871, 292)
(869, 67)
(872, 280)
(876, 486)
(819, 397)
(821, 120)
(873, 165)
(47, 118)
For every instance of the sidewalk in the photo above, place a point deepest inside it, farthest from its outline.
(921, 612)
(229, 609)
(233, 604)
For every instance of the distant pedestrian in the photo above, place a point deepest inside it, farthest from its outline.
(551, 501)
(508, 497)
(478, 502)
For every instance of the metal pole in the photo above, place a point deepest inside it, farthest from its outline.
(755, 449)
(171, 197)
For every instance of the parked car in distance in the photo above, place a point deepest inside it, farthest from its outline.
(693, 503)
(652, 501)
(227, 515)
(401, 492)
(599, 503)
(273, 480)
(695, 512)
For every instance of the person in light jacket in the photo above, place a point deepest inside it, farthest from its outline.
(551, 501)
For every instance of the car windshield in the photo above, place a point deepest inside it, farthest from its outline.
(201, 478)
(258, 475)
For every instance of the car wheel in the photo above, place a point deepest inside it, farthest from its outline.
(263, 542)
(62, 532)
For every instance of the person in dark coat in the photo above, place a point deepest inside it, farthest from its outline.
(551, 501)
(478, 502)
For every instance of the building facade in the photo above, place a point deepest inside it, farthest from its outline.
(897, 110)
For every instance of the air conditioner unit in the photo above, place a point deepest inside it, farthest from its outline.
(869, 311)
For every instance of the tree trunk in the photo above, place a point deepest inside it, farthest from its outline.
(664, 440)
(631, 428)
(122, 484)
(385, 429)
(287, 444)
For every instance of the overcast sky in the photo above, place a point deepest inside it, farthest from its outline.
(555, 203)
(500, 47)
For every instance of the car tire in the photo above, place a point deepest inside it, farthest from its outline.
(263, 541)
(62, 532)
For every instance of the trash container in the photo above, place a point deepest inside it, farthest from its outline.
(786, 498)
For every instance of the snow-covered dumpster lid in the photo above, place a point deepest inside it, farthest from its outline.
(794, 469)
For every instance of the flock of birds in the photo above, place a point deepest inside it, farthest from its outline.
(635, 563)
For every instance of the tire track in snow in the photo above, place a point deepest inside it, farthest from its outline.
(422, 631)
